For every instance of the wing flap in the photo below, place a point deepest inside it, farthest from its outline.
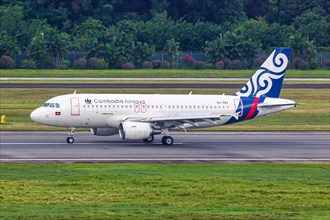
(183, 122)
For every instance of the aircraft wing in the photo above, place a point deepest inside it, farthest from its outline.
(182, 121)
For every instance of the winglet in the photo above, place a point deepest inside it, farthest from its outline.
(267, 80)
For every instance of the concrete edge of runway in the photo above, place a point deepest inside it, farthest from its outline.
(159, 161)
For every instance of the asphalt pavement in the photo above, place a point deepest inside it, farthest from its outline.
(18, 147)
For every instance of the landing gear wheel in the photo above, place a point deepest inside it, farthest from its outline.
(167, 140)
(149, 139)
(70, 140)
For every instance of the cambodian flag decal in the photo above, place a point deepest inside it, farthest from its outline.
(57, 113)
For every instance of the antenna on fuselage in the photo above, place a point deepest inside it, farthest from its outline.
(190, 92)
(75, 91)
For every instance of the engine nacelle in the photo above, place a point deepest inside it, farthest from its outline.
(104, 131)
(134, 130)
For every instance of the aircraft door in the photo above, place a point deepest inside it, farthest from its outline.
(75, 109)
(238, 104)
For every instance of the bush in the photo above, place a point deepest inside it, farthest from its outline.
(313, 65)
(198, 65)
(219, 65)
(303, 65)
(80, 63)
(164, 64)
(128, 66)
(226, 62)
(188, 60)
(147, 65)
(121, 60)
(245, 64)
(259, 61)
(235, 65)
(296, 62)
(327, 64)
(6, 62)
(175, 66)
(28, 64)
(48, 63)
(208, 66)
(156, 64)
(96, 63)
(64, 65)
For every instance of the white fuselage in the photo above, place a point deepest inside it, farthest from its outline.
(109, 110)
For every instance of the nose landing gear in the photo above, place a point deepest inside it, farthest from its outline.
(70, 139)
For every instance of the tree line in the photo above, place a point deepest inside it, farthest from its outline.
(117, 32)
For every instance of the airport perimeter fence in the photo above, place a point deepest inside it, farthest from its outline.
(321, 58)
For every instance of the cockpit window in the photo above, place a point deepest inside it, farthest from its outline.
(51, 105)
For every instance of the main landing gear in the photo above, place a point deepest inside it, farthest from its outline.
(151, 138)
(70, 139)
(166, 140)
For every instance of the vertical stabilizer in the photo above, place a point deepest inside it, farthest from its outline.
(267, 80)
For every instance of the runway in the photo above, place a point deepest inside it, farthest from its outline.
(50, 147)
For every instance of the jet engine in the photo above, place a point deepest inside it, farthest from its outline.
(104, 131)
(135, 130)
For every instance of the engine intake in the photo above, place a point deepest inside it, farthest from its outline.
(134, 130)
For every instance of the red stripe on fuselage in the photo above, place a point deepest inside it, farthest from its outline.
(253, 108)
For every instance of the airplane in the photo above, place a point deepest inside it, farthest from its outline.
(141, 116)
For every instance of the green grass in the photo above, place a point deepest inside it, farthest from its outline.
(165, 191)
(238, 82)
(144, 73)
(312, 115)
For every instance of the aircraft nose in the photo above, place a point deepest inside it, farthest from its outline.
(35, 115)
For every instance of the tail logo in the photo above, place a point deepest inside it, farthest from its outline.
(272, 70)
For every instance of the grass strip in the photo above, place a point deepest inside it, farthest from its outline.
(165, 191)
(312, 115)
(238, 82)
(156, 73)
